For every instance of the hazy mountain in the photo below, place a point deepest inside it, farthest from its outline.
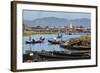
(84, 22)
(56, 22)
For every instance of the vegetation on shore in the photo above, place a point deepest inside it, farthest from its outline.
(86, 38)
(25, 33)
(82, 40)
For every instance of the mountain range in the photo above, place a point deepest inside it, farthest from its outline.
(56, 22)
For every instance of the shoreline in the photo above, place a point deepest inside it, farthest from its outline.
(27, 33)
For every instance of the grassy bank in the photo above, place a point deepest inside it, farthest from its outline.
(85, 38)
(25, 33)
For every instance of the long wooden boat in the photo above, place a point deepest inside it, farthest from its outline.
(27, 57)
(33, 42)
(63, 57)
(80, 47)
(55, 41)
(77, 53)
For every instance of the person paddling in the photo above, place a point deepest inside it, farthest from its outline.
(41, 38)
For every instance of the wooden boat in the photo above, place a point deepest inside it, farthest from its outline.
(27, 57)
(76, 53)
(54, 42)
(79, 47)
(34, 42)
(63, 57)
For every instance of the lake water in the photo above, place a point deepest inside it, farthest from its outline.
(46, 45)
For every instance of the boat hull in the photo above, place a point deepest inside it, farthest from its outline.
(76, 47)
(54, 42)
(68, 57)
(27, 42)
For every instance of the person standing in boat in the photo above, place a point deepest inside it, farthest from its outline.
(30, 38)
(42, 39)
(33, 40)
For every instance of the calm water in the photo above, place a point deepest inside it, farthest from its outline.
(46, 45)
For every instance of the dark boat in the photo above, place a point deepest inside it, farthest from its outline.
(27, 57)
(55, 41)
(34, 42)
(68, 57)
(79, 47)
(76, 53)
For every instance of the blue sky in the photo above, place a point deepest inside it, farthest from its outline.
(34, 14)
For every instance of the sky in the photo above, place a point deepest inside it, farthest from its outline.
(35, 14)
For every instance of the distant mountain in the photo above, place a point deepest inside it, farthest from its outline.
(56, 22)
(83, 21)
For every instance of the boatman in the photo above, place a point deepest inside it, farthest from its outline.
(41, 38)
